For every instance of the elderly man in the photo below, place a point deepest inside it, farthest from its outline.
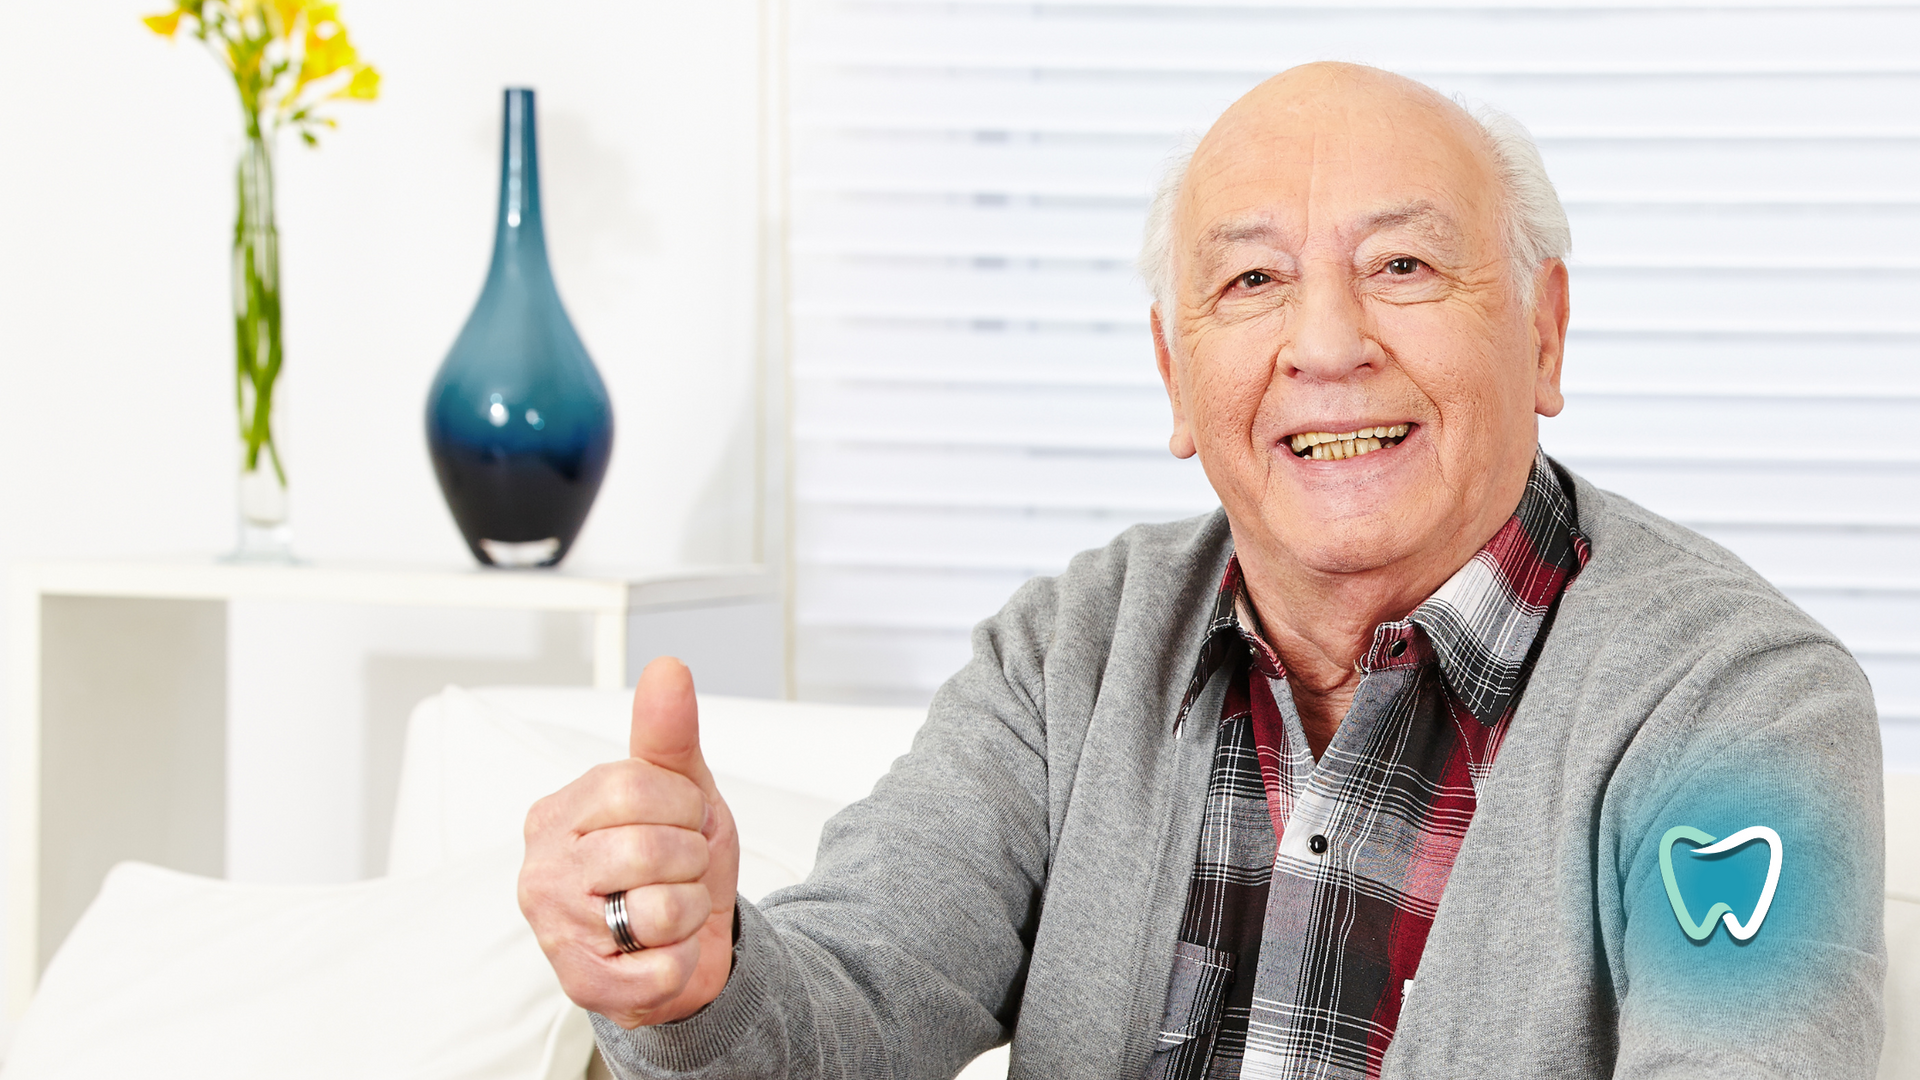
(1422, 758)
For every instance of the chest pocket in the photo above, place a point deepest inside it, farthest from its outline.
(1195, 998)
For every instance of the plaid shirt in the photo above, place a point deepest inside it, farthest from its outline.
(1315, 883)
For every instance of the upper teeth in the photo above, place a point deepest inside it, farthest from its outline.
(1328, 445)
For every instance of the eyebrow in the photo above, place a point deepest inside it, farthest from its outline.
(1211, 250)
(1239, 232)
(1419, 216)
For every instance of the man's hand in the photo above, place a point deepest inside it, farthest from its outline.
(655, 826)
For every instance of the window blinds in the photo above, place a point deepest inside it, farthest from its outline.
(973, 394)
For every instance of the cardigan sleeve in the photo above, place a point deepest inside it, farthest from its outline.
(904, 953)
(1766, 958)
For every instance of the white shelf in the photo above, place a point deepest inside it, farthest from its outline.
(565, 589)
(117, 700)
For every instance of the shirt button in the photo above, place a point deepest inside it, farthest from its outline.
(1317, 844)
(1397, 649)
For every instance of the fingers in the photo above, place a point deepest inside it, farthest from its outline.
(639, 985)
(569, 920)
(630, 792)
(632, 988)
(631, 856)
(659, 916)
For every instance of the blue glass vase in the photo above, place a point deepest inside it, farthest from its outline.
(518, 421)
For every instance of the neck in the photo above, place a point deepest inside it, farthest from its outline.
(1322, 622)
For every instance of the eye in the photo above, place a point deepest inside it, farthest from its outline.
(1403, 265)
(1253, 279)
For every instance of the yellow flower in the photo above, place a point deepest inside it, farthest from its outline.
(327, 48)
(164, 25)
(276, 51)
(287, 16)
(365, 85)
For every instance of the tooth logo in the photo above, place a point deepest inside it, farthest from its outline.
(1700, 931)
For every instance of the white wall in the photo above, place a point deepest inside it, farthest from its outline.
(117, 150)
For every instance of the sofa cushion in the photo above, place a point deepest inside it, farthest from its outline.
(832, 752)
(473, 766)
(426, 977)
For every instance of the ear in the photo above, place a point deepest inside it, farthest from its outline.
(1182, 441)
(1551, 306)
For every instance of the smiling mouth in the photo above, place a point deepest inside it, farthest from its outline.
(1327, 446)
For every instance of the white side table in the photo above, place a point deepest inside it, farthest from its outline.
(118, 703)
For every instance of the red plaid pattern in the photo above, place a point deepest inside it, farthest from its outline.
(1294, 961)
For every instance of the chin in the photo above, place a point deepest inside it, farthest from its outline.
(1334, 559)
(1346, 546)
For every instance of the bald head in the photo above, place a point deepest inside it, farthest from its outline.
(1308, 107)
(1315, 100)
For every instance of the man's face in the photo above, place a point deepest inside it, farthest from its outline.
(1341, 271)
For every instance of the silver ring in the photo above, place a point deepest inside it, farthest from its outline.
(617, 922)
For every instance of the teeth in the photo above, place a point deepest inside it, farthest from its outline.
(1328, 446)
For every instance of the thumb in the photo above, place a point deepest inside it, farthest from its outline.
(666, 722)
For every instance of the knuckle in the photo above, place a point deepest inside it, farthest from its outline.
(649, 849)
(630, 854)
(637, 792)
(657, 913)
(647, 854)
(626, 800)
(539, 879)
(540, 817)
(671, 854)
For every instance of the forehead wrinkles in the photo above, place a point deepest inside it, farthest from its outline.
(1282, 191)
(1417, 217)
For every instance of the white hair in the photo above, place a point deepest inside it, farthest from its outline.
(1533, 225)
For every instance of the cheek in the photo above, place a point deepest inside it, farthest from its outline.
(1228, 373)
(1472, 369)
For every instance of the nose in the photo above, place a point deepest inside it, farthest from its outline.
(1330, 339)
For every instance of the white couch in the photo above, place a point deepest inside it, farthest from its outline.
(430, 973)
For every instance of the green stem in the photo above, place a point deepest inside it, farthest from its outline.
(258, 353)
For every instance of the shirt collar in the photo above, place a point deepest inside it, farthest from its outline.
(1482, 623)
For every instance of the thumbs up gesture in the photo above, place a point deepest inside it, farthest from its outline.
(654, 828)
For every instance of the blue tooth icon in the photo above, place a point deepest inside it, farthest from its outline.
(1720, 912)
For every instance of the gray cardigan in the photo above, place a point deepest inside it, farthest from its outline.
(1022, 872)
